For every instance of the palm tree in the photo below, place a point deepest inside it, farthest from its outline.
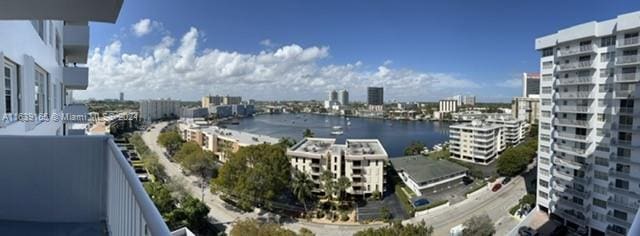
(327, 183)
(302, 186)
(307, 133)
(341, 187)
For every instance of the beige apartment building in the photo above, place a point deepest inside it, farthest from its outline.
(361, 160)
(476, 142)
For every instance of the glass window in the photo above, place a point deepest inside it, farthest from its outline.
(608, 41)
(41, 82)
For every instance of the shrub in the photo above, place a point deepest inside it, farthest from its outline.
(344, 217)
(319, 214)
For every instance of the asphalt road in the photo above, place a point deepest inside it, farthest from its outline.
(496, 205)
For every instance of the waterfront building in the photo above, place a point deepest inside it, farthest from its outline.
(361, 160)
(333, 95)
(531, 85)
(208, 101)
(458, 98)
(194, 112)
(375, 96)
(151, 110)
(469, 101)
(343, 97)
(57, 185)
(427, 175)
(526, 109)
(448, 105)
(222, 142)
(588, 171)
(220, 111)
(476, 142)
(242, 110)
(231, 100)
(513, 130)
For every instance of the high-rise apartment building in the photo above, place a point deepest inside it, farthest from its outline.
(121, 96)
(469, 100)
(360, 160)
(343, 97)
(530, 84)
(375, 96)
(210, 101)
(56, 185)
(333, 95)
(475, 142)
(448, 105)
(151, 110)
(589, 139)
(231, 100)
(526, 109)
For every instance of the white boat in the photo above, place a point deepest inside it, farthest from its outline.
(348, 123)
(337, 130)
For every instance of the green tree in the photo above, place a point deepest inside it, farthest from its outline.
(341, 187)
(478, 226)
(415, 148)
(397, 228)
(254, 173)
(308, 133)
(187, 149)
(302, 185)
(305, 232)
(161, 197)
(170, 140)
(286, 142)
(253, 227)
(328, 185)
(192, 214)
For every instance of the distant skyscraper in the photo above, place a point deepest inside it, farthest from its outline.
(121, 96)
(343, 97)
(448, 105)
(469, 100)
(375, 96)
(530, 84)
(333, 95)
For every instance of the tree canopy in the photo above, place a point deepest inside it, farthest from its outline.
(253, 227)
(478, 226)
(254, 173)
(515, 159)
(308, 133)
(170, 140)
(398, 229)
(415, 148)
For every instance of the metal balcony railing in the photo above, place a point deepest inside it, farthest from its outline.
(632, 41)
(627, 77)
(581, 123)
(574, 80)
(573, 95)
(575, 65)
(573, 108)
(628, 59)
(576, 50)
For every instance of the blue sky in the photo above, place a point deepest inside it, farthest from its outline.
(417, 50)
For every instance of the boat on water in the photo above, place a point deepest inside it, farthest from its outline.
(348, 123)
(337, 130)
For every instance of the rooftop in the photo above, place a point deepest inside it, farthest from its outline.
(313, 145)
(364, 147)
(475, 125)
(243, 138)
(422, 169)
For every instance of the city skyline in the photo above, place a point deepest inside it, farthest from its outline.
(148, 46)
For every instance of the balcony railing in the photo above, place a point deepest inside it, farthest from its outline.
(628, 60)
(572, 122)
(573, 149)
(571, 136)
(573, 108)
(576, 50)
(627, 77)
(570, 95)
(575, 65)
(627, 93)
(574, 81)
(625, 110)
(58, 180)
(632, 41)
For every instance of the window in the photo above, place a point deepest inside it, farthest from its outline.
(546, 90)
(41, 81)
(600, 203)
(600, 189)
(608, 41)
(547, 52)
(607, 56)
(546, 114)
(38, 25)
(544, 183)
(10, 78)
(543, 194)
(547, 65)
(602, 161)
(600, 175)
(604, 73)
(602, 117)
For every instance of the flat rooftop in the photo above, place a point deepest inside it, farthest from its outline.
(364, 147)
(475, 126)
(313, 145)
(423, 169)
(243, 138)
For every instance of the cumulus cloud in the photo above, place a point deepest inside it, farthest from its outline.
(142, 27)
(179, 69)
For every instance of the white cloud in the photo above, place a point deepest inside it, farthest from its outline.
(511, 83)
(267, 43)
(183, 71)
(142, 27)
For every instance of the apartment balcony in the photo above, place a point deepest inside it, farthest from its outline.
(615, 220)
(75, 78)
(571, 164)
(573, 217)
(629, 42)
(627, 77)
(580, 65)
(624, 94)
(573, 95)
(630, 207)
(572, 123)
(625, 127)
(76, 43)
(562, 175)
(573, 205)
(73, 185)
(570, 149)
(624, 160)
(575, 80)
(573, 109)
(577, 50)
(625, 110)
(628, 60)
(571, 137)
(67, 10)
(623, 175)
(613, 232)
(626, 192)
(624, 143)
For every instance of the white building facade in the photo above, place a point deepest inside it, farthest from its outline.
(448, 105)
(476, 142)
(589, 139)
(151, 110)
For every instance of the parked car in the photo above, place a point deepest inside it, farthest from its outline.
(506, 180)
(527, 231)
(496, 187)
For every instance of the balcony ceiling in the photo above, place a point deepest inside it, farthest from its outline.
(67, 10)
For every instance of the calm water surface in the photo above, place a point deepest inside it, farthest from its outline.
(395, 135)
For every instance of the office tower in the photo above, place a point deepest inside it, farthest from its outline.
(151, 110)
(530, 84)
(469, 100)
(343, 97)
(375, 96)
(360, 160)
(589, 144)
(333, 95)
(448, 105)
(527, 109)
(54, 185)
(121, 96)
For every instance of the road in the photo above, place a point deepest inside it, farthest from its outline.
(496, 205)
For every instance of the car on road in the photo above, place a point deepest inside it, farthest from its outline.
(506, 180)
(527, 231)
(496, 187)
